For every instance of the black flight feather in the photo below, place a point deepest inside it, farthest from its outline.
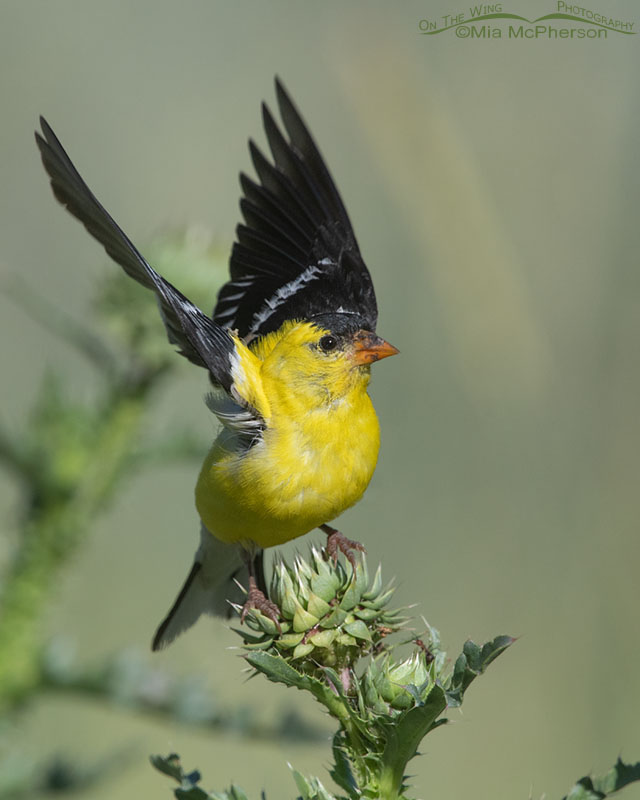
(296, 255)
(201, 340)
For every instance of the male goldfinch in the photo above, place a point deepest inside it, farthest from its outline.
(288, 350)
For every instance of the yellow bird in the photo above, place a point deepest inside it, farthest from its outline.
(288, 350)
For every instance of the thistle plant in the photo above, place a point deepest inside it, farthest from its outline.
(335, 641)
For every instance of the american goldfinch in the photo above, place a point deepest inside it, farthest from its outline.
(288, 350)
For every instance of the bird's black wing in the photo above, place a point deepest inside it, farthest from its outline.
(201, 340)
(296, 255)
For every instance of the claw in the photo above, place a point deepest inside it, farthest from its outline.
(338, 542)
(257, 600)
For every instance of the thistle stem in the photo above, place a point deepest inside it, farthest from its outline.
(390, 785)
(54, 526)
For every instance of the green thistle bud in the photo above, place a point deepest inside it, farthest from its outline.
(401, 684)
(330, 614)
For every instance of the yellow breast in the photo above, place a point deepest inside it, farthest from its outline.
(307, 469)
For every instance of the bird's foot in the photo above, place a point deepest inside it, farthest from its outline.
(256, 599)
(338, 542)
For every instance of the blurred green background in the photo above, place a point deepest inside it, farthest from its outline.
(494, 188)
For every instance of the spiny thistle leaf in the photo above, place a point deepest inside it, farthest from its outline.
(619, 776)
(276, 669)
(411, 727)
(189, 789)
(310, 788)
(341, 771)
(169, 765)
(472, 662)
(405, 732)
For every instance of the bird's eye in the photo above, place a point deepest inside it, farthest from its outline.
(328, 343)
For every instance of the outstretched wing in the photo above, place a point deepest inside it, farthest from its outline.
(201, 340)
(296, 255)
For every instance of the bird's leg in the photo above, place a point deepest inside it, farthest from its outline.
(257, 599)
(337, 541)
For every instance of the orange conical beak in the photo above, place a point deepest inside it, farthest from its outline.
(370, 348)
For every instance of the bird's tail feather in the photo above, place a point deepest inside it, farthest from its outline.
(207, 589)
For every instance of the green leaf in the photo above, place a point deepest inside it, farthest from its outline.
(169, 765)
(404, 734)
(342, 773)
(188, 789)
(491, 650)
(276, 669)
(619, 776)
(583, 790)
(320, 792)
(311, 789)
(472, 662)
(412, 726)
(301, 783)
